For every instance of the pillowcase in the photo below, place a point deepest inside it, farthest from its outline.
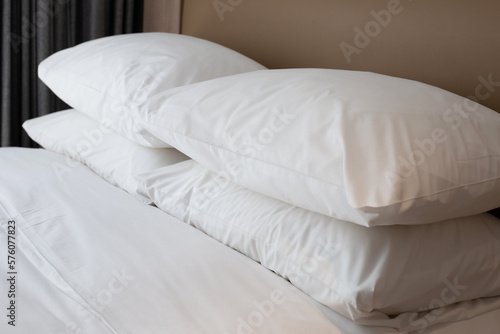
(389, 276)
(107, 77)
(357, 146)
(110, 155)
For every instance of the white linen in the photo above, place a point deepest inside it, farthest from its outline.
(48, 307)
(378, 276)
(487, 323)
(108, 77)
(109, 154)
(338, 142)
(42, 306)
(124, 267)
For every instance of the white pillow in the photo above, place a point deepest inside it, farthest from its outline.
(339, 142)
(388, 273)
(110, 155)
(107, 77)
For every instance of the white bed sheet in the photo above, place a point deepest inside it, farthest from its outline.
(92, 259)
(111, 264)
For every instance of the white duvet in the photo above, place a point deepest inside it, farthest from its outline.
(92, 259)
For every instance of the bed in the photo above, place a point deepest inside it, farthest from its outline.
(263, 167)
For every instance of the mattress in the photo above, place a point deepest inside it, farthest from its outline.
(90, 258)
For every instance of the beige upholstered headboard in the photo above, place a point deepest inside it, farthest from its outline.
(452, 44)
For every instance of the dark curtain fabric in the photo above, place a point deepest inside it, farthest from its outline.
(31, 31)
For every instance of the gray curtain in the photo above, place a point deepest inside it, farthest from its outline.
(31, 31)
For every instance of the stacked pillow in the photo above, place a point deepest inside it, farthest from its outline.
(109, 154)
(108, 77)
(376, 276)
(103, 80)
(287, 164)
(361, 147)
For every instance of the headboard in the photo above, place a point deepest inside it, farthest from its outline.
(452, 44)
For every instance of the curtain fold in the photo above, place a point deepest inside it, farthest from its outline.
(31, 31)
